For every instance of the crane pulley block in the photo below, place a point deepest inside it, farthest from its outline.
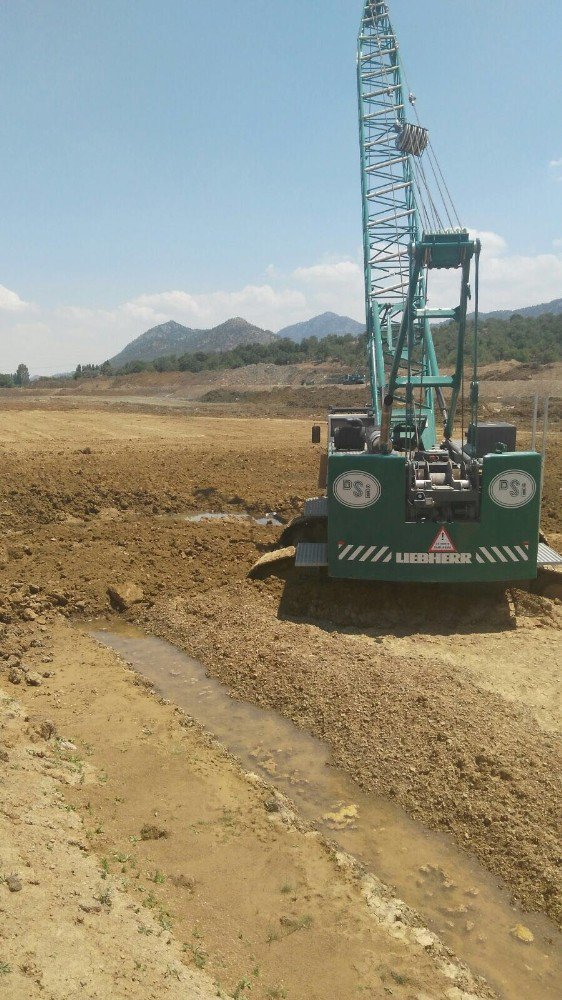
(412, 139)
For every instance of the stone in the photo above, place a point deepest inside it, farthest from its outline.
(14, 883)
(15, 675)
(33, 679)
(91, 907)
(522, 933)
(123, 595)
(342, 818)
(29, 615)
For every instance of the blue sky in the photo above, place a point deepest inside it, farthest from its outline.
(195, 160)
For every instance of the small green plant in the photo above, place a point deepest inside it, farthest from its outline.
(199, 956)
(5, 968)
(150, 901)
(172, 971)
(104, 898)
(244, 984)
(277, 993)
(104, 868)
(165, 920)
(157, 877)
(143, 929)
(286, 889)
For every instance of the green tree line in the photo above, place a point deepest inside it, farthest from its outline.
(19, 378)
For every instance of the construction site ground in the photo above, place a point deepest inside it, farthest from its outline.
(137, 857)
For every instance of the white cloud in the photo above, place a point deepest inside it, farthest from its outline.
(11, 302)
(556, 168)
(507, 281)
(58, 339)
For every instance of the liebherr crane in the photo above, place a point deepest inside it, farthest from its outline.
(404, 499)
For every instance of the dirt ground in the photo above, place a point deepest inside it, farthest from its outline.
(454, 716)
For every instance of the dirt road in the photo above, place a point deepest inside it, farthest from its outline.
(454, 715)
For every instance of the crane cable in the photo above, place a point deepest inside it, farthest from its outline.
(432, 158)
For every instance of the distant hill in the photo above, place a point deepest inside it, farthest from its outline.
(173, 338)
(327, 324)
(554, 307)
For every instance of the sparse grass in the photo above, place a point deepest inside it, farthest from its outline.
(286, 888)
(172, 971)
(165, 920)
(301, 924)
(104, 898)
(277, 993)
(143, 929)
(5, 968)
(150, 901)
(244, 984)
(157, 877)
(198, 955)
(105, 869)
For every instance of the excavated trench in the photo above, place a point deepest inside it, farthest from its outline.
(517, 953)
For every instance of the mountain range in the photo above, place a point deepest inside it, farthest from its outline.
(322, 326)
(554, 307)
(173, 338)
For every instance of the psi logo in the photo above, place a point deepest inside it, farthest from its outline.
(513, 488)
(357, 489)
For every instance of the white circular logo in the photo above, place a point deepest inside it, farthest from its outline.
(357, 489)
(512, 488)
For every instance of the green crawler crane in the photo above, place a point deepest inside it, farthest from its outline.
(403, 500)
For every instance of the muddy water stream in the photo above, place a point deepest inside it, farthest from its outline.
(456, 897)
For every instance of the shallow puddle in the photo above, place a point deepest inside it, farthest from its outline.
(456, 897)
(209, 515)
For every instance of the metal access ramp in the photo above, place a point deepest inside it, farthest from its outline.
(316, 507)
(311, 555)
(547, 556)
